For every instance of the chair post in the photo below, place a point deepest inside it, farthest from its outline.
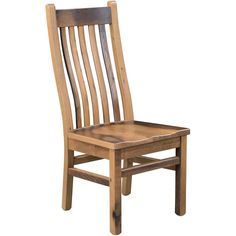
(123, 81)
(58, 68)
(127, 181)
(115, 192)
(180, 178)
(67, 179)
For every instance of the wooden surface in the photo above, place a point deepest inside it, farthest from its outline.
(58, 68)
(64, 102)
(145, 159)
(69, 22)
(67, 179)
(86, 16)
(109, 70)
(127, 181)
(149, 166)
(126, 134)
(80, 77)
(120, 64)
(146, 148)
(89, 75)
(90, 149)
(71, 76)
(74, 19)
(99, 73)
(115, 192)
(180, 179)
(85, 158)
(87, 175)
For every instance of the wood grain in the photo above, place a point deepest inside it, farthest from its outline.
(67, 179)
(145, 159)
(126, 134)
(180, 179)
(115, 192)
(100, 77)
(58, 68)
(119, 62)
(71, 77)
(89, 75)
(86, 16)
(127, 181)
(171, 161)
(87, 175)
(80, 77)
(151, 147)
(109, 71)
(85, 158)
(90, 149)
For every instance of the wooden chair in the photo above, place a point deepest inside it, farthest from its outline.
(88, 127)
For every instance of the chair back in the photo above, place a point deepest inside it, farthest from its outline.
(84, 63)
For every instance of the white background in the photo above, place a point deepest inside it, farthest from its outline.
(181, 63)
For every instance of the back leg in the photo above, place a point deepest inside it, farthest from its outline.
(127, 181)
(67, 180)
(180, 187)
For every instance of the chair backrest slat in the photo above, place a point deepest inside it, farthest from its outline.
(89, 65)
(71, 76)
(86, 16)
(89, 75)
(98, 68)
(110, 75)
(80, 77)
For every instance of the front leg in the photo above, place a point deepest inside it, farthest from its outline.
(115, 192)
(180, 187)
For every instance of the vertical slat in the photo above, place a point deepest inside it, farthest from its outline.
(71, 76)
(79, 76)
(180, 186)
(58, 68)
(110, 75)
(119, 61)
(98, 68)
(89, 74)
(115, 192)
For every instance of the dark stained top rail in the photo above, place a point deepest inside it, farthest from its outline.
(84, 16)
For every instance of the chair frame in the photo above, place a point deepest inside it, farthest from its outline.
(98, 150)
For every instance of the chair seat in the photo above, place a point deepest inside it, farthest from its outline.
(126, 133)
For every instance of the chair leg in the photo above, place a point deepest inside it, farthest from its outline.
(127, 181)
(115, 192)
(180, 178)
(67, 180)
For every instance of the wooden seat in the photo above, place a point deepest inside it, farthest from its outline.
(97, 109)
(126, 134)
